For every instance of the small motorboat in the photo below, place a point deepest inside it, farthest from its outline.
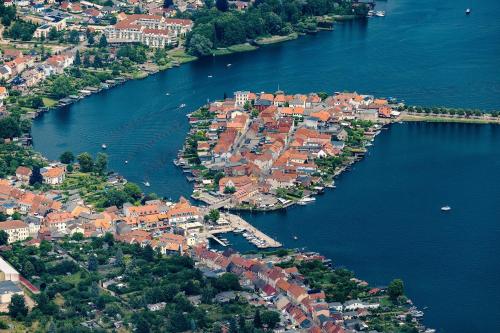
(103, 146)
(167, 94)
(126, 162)
(182, 105)
(370, 13)
(467, 11)
(210, 76)
(229, 65)
(380, 13)
(147, 184)
(306, 200)
(295, 237)
(446, 208)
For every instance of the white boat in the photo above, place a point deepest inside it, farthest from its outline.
(210, 76)
(306, 200)
(126, 162)
(295, 237)
(380, 13)
(167, 94)
(147, 184)
(182, 105)
(467, 11)
(370, 13)
(229, 65)
(103, 146)
(446, 208)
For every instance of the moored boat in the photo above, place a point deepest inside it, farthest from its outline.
(306, 200)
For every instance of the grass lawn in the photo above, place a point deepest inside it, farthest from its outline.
(73, 278)
(49, 102)
(245, 47)
(181, 56)
(275, 39)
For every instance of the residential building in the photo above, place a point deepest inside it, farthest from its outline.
(53, 176)
(16, 229)
(151, 30)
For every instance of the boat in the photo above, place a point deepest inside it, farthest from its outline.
(446, 208)
(380, 13)
(210, 76)
(229, 65)
(370, 13)
(182, 105)
(306, 200)
(167, 94)
(126, 162)
(295, 237)
(103, 146)
(467, 11)
(147, 184)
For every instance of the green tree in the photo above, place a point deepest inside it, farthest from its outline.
(270, 319)
(148, 253)
(77, 236)
(17, 307)
(86, 162)
(92, 263)
(10, 127)
(242, 324)
(62, 87)
(227, 281)
(233, 327)
(395, 289)
(4, 237)
(28, 269)
(222, 5)
(101, 163)
(200, 46)
(119, 257)
(142, 326)
(90, 37)
(133, 190)
(103, 42)
(214, 215)
(74, 37)
(257, 321)
(53, 34)
(229, 189)
(78, 58)
(67, 157)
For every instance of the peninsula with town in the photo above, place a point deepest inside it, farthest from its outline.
(268, 151)
(84, 250)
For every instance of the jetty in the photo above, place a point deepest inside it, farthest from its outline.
(235, 223)
(264, 241)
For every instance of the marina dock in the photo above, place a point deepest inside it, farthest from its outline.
(235, 223)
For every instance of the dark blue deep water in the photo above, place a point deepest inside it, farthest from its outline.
(383, 220)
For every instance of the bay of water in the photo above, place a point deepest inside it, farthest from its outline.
(383, 220)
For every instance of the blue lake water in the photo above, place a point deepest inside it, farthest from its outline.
(383, 220)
